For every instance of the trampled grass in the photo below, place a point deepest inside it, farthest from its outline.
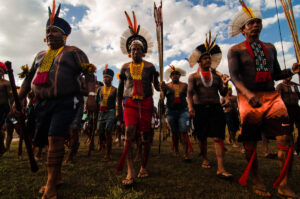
(170, 177)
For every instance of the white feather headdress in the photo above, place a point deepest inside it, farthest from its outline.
(241, 18)
(171, 69)
(210, 48)
(135, 33)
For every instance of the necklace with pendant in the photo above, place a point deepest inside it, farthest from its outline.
(209, 84)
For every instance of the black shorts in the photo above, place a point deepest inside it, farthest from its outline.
(232, 121)
(209, 121)
(53, 118)
(4, 110)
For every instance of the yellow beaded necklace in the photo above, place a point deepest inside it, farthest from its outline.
(136, 70)
(105, 93)
(48, 59)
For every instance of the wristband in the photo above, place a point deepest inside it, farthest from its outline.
(92, 93)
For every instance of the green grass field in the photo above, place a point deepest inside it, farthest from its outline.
(170, 177)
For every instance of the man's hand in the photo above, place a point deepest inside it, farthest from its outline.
(119, 113)
(91, 104)
(254, 101)
(296, 67)
(162, 85)
(191, 112)
(225, 78)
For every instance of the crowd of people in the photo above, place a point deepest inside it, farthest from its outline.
(62, 90)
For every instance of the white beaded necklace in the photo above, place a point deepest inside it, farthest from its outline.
(209, 84)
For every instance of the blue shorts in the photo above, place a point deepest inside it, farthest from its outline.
(53, 117)
(178, 120)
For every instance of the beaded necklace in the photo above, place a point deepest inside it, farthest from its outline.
(136, 71)
(105, 94)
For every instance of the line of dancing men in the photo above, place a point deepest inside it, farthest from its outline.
(60, 77)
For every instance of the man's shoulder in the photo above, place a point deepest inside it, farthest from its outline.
(237, 47)
(193, 75)
(72, 48)
(147, 64)
(126, 65)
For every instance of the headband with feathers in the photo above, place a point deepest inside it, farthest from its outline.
(55, 20)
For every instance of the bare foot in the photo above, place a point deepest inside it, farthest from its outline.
(127, 182)
(143, 173)
(224, 174)
(261, 190)
(58, 184)
(106, 159)
(205, 164)
(286, 192)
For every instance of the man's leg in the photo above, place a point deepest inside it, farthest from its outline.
(9, 135)
(284, 142)
(130, 137)
(146, 142)
(175, 140)
(185, 145)
(203, 153)
(220, 151)
(73, 145)
(2, 136)
(54, 161)
(258, 186)
(108, 135)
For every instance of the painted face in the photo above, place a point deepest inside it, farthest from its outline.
(107, 80)
(54, 37)
(205, 62)
(175, 76)
(136, 52)
(252, 28)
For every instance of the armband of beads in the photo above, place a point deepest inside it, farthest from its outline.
(88, 68)
(25, 72)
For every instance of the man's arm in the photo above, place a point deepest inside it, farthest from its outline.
(120, 89)
(190, 94)
(26, 84)
(278, 73)
(155, 79)
(234, 71)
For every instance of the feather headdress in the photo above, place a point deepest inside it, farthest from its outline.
(207, 48)
(108, 71)
(241, 18)
(135, 34)
(55, 20)
(3, 67)
(171, 69)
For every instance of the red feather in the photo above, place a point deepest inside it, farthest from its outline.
(244, 6)
(135, 22)
(129, 21)
(52, 13)
(106, 67)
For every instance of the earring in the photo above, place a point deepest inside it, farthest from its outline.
(45, 40)
(64, 37)
(129, 55)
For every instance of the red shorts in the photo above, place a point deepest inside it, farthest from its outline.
(270, 119)
(138, 113)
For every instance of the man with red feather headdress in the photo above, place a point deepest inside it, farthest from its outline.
(135, 94)
(253, 68)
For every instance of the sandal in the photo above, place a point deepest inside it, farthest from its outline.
(224, 174)
(261, 191)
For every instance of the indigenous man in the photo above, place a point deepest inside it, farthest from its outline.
(204, 101)
(5, 101)
(229, 103)
(54, 80)
(290, 94)
(107, 112)
(73, 142)
(177, 112)
(135, 91)
(253, 68)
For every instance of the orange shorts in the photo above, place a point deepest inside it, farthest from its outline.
(271, 118)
